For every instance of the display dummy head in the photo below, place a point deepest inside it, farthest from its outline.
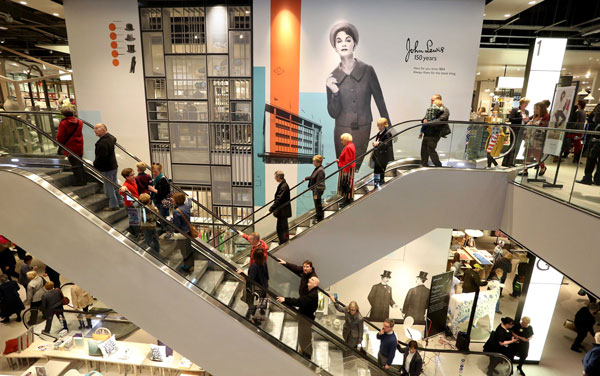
(385, 277)
(421, 278)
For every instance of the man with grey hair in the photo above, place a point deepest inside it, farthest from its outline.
(106, 163)
(591, 361)
(387, 346)
(307, 305)
(281, 208)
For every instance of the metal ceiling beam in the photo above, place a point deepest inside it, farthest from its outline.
(550, 26)
(530, 28)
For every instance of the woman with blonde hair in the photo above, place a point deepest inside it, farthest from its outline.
(522, 332)
(383, 152)
(346, 176)
(316, 183)
(353, 323)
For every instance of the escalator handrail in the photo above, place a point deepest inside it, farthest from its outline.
(173, 186)
(302, 182)
(214, 256)
(349, 164)
(425, 349)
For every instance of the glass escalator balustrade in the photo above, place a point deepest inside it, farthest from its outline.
(201, 266)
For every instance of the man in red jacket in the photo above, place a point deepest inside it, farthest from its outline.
(255, 242)
(70, 135)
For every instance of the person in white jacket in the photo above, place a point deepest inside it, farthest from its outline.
(35, 291)
(82, 300)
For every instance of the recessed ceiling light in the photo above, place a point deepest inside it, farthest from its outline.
(55, 14)
(3, 28)
(484, 14)
(247, 12)
(518, 69)
(507, 15)
(478, 73)
(23, 2)
(487, 90)
(531, 2)
(195, 37)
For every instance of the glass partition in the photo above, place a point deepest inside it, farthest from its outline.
(169, 243)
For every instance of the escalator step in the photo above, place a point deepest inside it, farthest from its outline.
(328, 213)
(226, 291)
(289, 335)
(111, 217)
(336, 361)
(61, 179)
(274, 324)
(84, 191)
(239, 305)
(95, 202)
(320, 354)
(200, 267)
(210, 280)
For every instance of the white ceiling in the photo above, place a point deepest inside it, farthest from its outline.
(499, 9)
(492, 63)
(46, 6)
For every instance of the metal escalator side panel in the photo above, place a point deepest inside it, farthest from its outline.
(53, 227)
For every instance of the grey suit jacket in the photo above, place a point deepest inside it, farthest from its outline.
(351, 105)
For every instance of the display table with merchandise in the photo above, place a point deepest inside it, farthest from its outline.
(129, 354)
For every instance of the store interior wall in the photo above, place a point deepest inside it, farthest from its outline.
(428, 253)
(407, 78)
(556, 232)
(105, 92)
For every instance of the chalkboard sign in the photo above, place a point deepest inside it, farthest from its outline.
(439, 298)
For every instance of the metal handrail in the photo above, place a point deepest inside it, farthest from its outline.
(173, 186)
(214, 257)
(349, 164)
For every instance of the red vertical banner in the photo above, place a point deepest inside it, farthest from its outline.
(285, 71)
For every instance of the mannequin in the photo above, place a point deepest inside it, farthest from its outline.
(417, 300)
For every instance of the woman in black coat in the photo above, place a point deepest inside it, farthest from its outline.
(7, 261)
(499, 342)
(413, 363)
(383, 153)
(316, 183)
(10, 302)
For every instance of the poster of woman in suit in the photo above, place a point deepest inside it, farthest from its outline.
(350, 87)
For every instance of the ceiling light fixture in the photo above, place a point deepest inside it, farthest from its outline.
(507, 15)
(583, 92)
(3, 28)
(478, 73)
(531, 2)
(55, 14)
(587, 75)
(589, 97)
(23, 2)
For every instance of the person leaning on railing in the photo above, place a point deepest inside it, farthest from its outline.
(255, 243)
(353, 323)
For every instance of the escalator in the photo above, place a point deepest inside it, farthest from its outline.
(93, 248)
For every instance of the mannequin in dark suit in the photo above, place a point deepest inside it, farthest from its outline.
(381, 299)
(281, 207)
(417, 299)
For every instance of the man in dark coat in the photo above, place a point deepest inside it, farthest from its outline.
(106, 162)
(307, 306)
(417, 299)
(432, 134)
(471, 279)
(10, 301)
(306, 272)
(584, 324)
(52, 305)
(281, 208)
(381, 299)
(7, 261)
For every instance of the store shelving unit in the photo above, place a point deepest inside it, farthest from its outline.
(198, 77)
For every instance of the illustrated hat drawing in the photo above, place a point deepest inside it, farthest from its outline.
(342, 25)
(130, 38)
(422, 275)
(131, 48)
(129, 27)
(386, 274)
